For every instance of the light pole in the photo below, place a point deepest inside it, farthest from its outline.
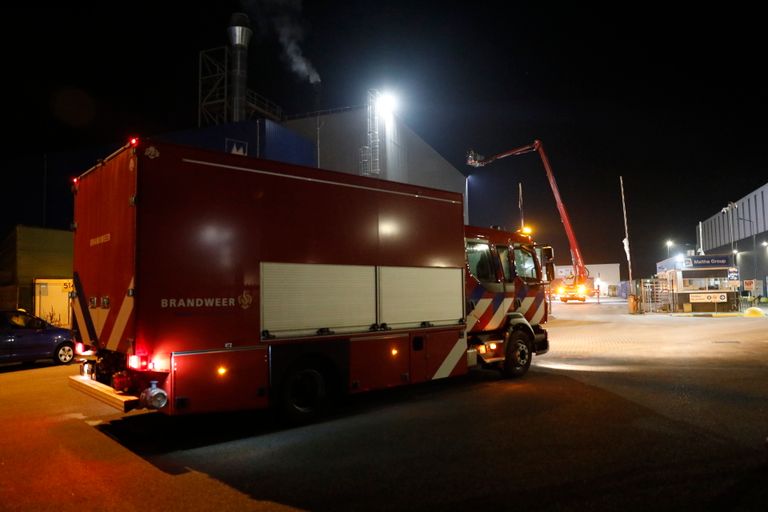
(754, 247)
(466, 199)
(670, 243)
(730, 210)
(733, 210)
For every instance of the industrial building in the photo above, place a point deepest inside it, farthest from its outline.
(36, 272)
(740, 230)
(372, 141)
(728, 269)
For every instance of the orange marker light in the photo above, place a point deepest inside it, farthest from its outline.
(394, 352)
(221, 370)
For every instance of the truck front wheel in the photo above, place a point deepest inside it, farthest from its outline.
(518, 354)
(304, 396)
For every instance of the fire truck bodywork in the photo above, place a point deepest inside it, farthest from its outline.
(211, 282)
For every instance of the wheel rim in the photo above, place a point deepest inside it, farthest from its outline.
(522, 354)
(306, 390)
(66, 354)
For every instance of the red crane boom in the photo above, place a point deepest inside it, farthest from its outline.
(579, 268)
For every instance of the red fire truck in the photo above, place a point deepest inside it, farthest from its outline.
(208, 282)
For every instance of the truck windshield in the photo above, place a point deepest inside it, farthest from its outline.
(479, 261)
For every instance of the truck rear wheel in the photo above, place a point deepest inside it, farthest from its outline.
(304, 395)
(518, 354)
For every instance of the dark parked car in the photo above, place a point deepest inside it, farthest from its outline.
(27, 338)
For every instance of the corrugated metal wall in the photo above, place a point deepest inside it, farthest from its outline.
(404, 156)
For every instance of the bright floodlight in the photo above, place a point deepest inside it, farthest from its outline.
(670, 243)
(386, 103)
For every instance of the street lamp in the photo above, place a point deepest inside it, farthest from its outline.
(670, 243)
(754, 247)
(733, 209)
(729, 210)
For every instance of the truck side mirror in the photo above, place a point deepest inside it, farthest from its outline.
(550, 271)
(548, 255)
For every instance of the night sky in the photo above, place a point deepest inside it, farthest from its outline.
(672, 99)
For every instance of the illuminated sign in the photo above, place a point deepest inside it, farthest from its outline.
(708, 297)
(721, 260)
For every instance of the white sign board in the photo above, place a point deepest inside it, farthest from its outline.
(749, 284)
(708, 297)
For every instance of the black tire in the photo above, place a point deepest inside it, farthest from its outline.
(518, 354)
(304, 395)
(64, 353)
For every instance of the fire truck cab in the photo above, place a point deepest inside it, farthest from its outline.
(506, 300)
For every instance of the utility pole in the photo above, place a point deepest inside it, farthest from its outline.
(626, 235)
(45, 186)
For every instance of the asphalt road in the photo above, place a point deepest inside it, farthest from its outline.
(626, 412)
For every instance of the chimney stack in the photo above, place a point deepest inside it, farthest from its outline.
(239, 32)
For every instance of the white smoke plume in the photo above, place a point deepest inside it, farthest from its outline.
(290, 35)
(282, 16)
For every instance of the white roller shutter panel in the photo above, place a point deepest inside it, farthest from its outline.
(411, 295)
(307, 297)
